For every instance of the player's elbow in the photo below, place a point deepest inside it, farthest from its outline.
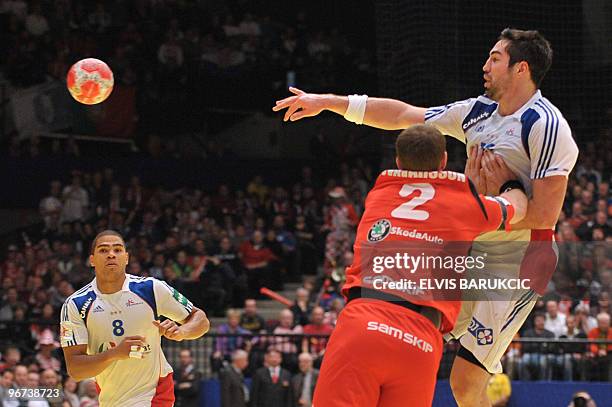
(75, 375)
(205, 325)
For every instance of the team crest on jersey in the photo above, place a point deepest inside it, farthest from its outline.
(379, 230)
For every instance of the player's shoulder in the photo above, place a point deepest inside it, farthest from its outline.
(85, 291)
(138, 283)
(547, 115)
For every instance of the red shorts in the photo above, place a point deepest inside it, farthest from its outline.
(164, 393)
(380, 354)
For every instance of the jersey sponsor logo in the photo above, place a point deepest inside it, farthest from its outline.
(415, 234)
(98, 308)
(487, 146)
(379, 230)
(85, 306)
(397, 333)
(476, 119)
(131, 303)
(483, 335)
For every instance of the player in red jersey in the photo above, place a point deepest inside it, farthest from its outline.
(387, 344)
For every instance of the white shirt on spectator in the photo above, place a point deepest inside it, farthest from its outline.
(76, 201)
(48, 206)
(556, 325)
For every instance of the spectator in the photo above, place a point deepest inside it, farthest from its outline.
(582, 399)
(88, 393)
(34, 383)
(305, 381)
(50, 207)
(70, 391)
(49, 379)
(234, 393)
(340, 224)
(584, 321)
(601, 354)
(256, 258)
(301, 309)
(226, 345)
(250, 319)
(6, 382)
(316, 345)
(271, 384)
(283, 344)
(76, 201)
(187, 381)
(11, 302)
(11, 357)
(555, 321)
(46, 346)
(535, 362)
(573, 354)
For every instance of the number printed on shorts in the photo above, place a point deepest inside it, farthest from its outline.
(118, 327)
(408, 210)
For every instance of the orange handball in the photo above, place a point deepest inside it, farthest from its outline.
(90, 81)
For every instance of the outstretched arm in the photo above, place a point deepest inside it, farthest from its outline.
(387, 114)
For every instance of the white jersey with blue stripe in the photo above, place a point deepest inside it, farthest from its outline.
(536, 141)
(100, 321)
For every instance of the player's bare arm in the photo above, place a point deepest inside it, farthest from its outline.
(192, 327)
(545, 205)
(387, 114)
(81, 366)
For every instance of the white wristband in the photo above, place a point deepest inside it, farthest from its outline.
(356, 108)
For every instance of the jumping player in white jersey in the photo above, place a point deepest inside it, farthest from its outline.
(110, 329)
(514, 121)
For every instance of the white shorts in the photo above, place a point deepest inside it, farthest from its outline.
(486, 327)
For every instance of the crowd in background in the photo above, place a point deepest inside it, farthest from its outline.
(184, 56)
(220, 247)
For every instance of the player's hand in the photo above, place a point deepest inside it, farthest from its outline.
(169, 329)
(496, 172)
(131, 346)
(300, 105)
(474, 170)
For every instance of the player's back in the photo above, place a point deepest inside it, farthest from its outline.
(436, 207)
(419, 213)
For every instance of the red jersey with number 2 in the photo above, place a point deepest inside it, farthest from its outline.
(432, 208)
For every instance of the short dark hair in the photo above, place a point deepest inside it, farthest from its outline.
(107, 232)
(529, 46)
(539, 314)
(420, 148)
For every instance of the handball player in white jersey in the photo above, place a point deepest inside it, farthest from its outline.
(513, 122)
(110, 329)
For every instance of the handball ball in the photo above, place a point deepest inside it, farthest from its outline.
(90, 81)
